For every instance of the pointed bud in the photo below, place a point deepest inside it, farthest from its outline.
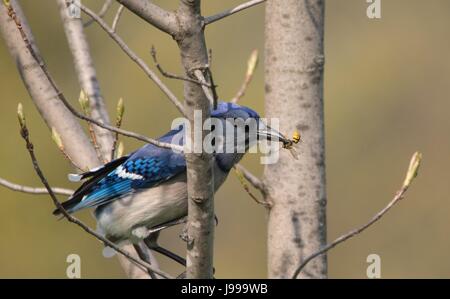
(21, 115)
(57, 139)
(413, 169)
(252, 63)
(84, 102)
(120, 110)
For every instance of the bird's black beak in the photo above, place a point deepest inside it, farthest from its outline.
(267, 133)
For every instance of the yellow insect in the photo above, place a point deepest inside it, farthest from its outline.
(296, 137)
(289, 144)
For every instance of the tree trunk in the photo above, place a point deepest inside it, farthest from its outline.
(44, 96)
(200, 175)
(294, 93)
(52, 110)
(87, 77)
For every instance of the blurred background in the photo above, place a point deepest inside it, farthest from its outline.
(386, 96)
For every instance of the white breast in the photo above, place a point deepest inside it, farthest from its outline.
(147, 208)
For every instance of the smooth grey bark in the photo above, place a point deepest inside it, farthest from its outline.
(294, 63)
(52, 110)
(153, 14)
(200, 176)
(186, 26)
(87, 77)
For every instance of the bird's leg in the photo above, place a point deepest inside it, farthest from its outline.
(167, 225)
(151, 242)
(142, 253)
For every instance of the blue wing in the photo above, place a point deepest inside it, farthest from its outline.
(146, 168)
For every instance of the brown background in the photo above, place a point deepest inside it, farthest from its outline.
(386, 95)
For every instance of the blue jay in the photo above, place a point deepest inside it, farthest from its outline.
(147, 188)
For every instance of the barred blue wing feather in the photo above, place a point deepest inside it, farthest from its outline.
(144, 168)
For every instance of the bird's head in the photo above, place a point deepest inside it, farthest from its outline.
(241, 117)
(241, 128)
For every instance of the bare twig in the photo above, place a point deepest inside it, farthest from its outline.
(59, 143)
(85, 107)
(173, 76)
(133, 57)
(251, 178)
(101, 13)
(229, 12)
(199, 75)
(120, 110)
(34, 190)
(410, 175)
(213, 87)
(61, 96)
(251, 66)
(241, 177)
(25, 135)
(163, 20)
(120, 150)
(210, 58)
(117, 18)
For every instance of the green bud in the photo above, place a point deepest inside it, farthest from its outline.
(413, 169)
(120, 110)
(21, 115)
(252, 63)
(57, 139)
(84, 102)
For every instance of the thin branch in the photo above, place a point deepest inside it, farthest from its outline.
(411, 174)
(25, 135)
(229, 12)
(170, 75)
(120, 110)
(251, 178)
(210, 58)
(117, 17)
(134, 57)
(251, 66)
(61, 96)
(85, 102)
(59, 143)
(94, 142)
(34, 190)
(101, 13)
(241, 177)
(213, 86)
(199, 75)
